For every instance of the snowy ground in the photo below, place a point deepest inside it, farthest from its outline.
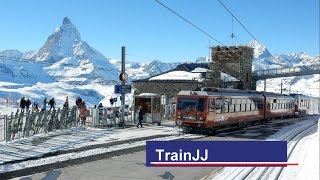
(43, 144)
(306, 153)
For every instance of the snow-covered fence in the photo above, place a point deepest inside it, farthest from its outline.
(109, 117)
(25, 124)
(2, 128)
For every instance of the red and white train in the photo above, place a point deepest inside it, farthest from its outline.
(215, 107)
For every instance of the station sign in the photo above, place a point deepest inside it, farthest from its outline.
(119, 89)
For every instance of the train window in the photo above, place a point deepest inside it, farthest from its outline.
(274, 101)
(285, 104)
(259, 104)
(254, 108)
(248, 106)
(268, 104)
(218, 105)
(201, 104)
(231, 106)
(187, 103)
(211, 105)
(226, 105)
(237, 109)
(243, 105)
(289, 104)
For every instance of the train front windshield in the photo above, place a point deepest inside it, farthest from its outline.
(191, 104)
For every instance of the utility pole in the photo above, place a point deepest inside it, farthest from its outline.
(281, 87)
(123, 82)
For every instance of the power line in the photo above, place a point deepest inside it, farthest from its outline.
(204, 32)
(239, 21)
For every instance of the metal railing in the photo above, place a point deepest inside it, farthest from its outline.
(283, 72)
(109, 117)
(25, 124)
(2, 128)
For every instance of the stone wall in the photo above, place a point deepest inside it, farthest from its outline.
(233, 60)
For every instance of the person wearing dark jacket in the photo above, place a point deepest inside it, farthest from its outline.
(52, 103)
(28, 103)
(140, 117)
(78, 102)
(23, 103)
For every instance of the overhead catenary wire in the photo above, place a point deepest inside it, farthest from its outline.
(189, 22)
(239, 22)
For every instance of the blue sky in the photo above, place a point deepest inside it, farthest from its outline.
(150, 31)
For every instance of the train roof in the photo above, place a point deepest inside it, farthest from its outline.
(210, 93)
(301, 96)
(232, 92)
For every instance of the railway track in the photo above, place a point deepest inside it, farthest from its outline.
(293, 137)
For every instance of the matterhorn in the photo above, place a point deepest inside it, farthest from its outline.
(73, 60)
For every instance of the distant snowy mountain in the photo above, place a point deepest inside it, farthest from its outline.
(137, 70)
(263, 59)
(68, 66)
(260, 51)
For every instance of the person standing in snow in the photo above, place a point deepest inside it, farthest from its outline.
(100, 108)
(22, 103)
(66, 103)
(44, 104)
(52, 103)
(140, 117)
(83, 112)
(78, 102)
(35, 107)
(28, 103)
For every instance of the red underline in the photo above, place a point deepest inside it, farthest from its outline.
(209, 164)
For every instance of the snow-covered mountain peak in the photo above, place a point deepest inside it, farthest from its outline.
(300, 55)
(60, 44)
(260, 51)
(66, 20)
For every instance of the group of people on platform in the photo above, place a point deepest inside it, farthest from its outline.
(81, 105)
(25, 104)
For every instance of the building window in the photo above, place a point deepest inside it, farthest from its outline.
(163, 99)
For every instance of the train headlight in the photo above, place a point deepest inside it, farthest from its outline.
(179, 115)
(201, 118)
